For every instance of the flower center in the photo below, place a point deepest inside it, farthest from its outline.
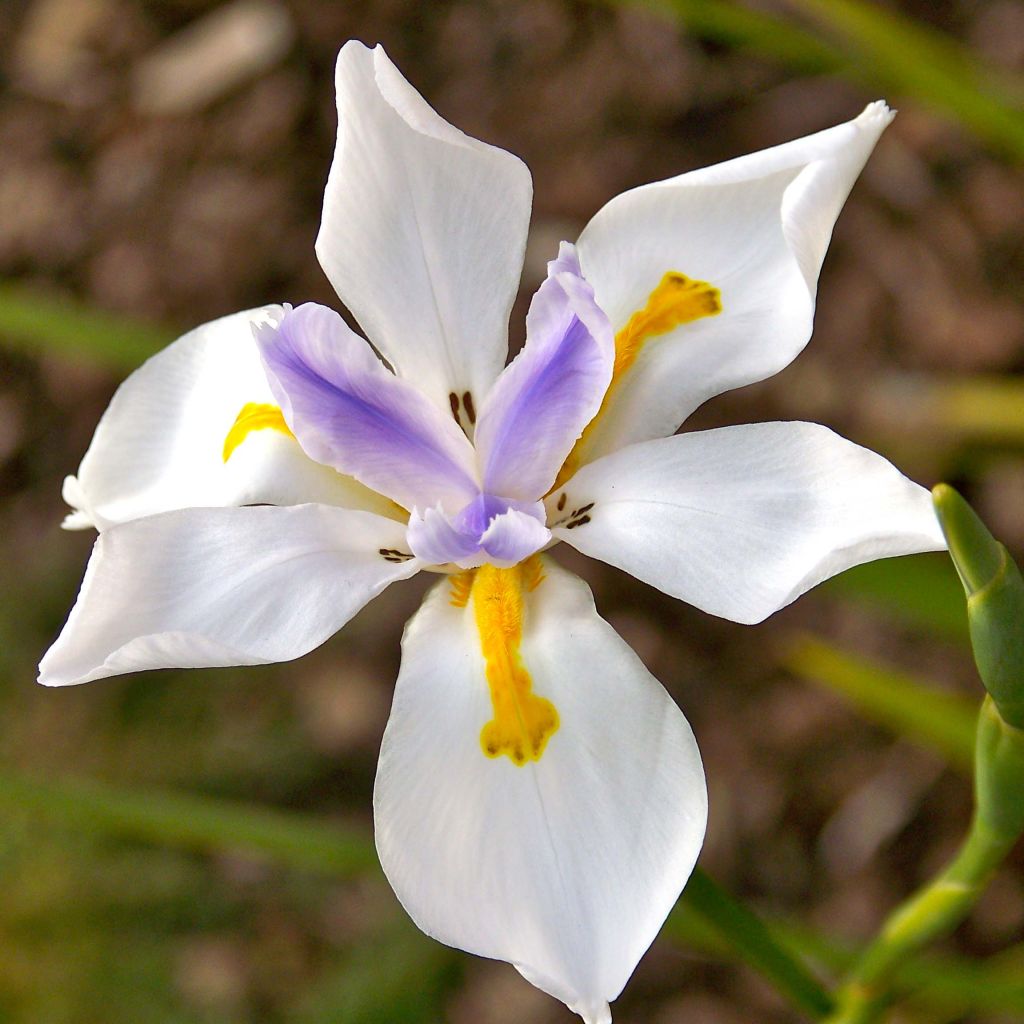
(523, 722)
(677, 300)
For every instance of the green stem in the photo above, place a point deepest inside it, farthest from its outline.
(752, 941)
(943, 903)
(945, 987)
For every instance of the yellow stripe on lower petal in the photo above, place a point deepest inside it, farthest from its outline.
(677, 300)
(254, 416)
(523, 722)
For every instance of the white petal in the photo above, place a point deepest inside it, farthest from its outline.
(224, 586)
(423, 231)
(757, 229)
(567, 866)
(741, 521)
(160, 444)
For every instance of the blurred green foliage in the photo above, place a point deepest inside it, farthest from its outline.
(909, 59)
(921, 592)
(37, 321)
(906, 705)
(876, 47)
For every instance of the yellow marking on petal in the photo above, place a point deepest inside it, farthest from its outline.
(677, 300)
(462, 586)
(533, 572)
(523, 722)
(254, 416)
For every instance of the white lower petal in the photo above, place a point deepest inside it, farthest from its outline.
(741, 521)
(223, 586)
(160, 444)
(565, 866)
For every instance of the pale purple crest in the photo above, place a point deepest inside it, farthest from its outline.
(488, 529)
(538, 407)
(432, 537)
(348, 411)
(513, 536)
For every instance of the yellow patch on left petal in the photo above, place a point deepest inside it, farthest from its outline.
(677, 300)
(523, 721)
(254, 416)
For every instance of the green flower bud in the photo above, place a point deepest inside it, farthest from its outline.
(999, 774)
(995, 602)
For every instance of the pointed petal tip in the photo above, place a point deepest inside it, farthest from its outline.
(43, 679)
(354, 50)
(51, 676)
(356, 46)
(391, 146)
(267, 322)
(829, 505)
(73, 494)
(567, 260)
(597, 1013)
(77, 520)
(877, 110)
(624, 753)
(977, 555)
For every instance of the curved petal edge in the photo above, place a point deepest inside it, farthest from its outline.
(223, 586)
(740, 521)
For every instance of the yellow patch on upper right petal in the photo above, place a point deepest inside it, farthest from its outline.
(677, 300)
(523, 721)
(254, 416)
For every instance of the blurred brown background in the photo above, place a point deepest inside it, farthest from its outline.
(167, 160)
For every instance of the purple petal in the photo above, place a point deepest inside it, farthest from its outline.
(488, 529)
(432, 538)
(348, 411)
(477, 515)
(540, 404)
(513, 536)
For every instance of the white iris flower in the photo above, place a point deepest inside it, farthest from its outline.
(540, 799)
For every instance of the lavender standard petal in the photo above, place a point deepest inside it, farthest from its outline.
(540, 404)
(348, 411)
